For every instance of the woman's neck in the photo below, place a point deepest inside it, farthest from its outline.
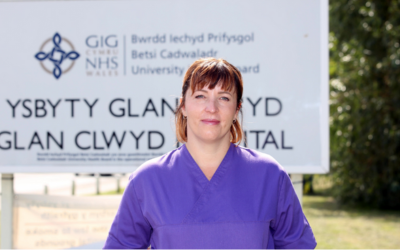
(208, 156)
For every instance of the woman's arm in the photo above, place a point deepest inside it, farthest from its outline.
(130, 228)
(290, 229)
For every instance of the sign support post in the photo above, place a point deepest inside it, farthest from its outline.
(297, 180)
(7, 202)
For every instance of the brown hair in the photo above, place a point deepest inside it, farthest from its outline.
(211, 72)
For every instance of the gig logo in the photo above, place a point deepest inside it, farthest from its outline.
(60, 57)
(102, 55)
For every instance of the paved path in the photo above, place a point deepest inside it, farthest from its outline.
(61, 184)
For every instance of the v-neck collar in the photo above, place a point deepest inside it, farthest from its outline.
(219, 173)
(209, 186)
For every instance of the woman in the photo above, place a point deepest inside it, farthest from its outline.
(210, 193)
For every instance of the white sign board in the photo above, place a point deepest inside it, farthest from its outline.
(91, 85)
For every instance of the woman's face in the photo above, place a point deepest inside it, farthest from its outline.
(210, 114)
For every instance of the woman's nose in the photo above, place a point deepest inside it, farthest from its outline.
(212, 105)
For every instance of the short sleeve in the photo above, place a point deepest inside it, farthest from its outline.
(290, 228)
(130, 228)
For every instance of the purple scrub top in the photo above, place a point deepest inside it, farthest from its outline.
(249, 203)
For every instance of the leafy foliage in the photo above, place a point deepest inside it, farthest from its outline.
(365, 101)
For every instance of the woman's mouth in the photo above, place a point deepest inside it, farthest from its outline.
(210, 121)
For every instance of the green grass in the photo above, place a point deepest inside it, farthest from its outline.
(340, 227)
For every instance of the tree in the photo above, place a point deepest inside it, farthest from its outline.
(365, 101)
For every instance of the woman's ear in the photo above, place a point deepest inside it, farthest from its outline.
(236, 114)
(183, 107)
(237, 111)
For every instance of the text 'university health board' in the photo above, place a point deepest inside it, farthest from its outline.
(92, 85)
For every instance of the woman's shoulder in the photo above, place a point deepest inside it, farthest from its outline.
(251, 158)
(159, 165)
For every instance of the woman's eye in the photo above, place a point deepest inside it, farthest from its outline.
(199, 96)
(225, 98)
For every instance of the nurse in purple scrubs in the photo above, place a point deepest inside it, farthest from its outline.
(210, 192)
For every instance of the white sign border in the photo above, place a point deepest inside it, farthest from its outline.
(324, 116)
